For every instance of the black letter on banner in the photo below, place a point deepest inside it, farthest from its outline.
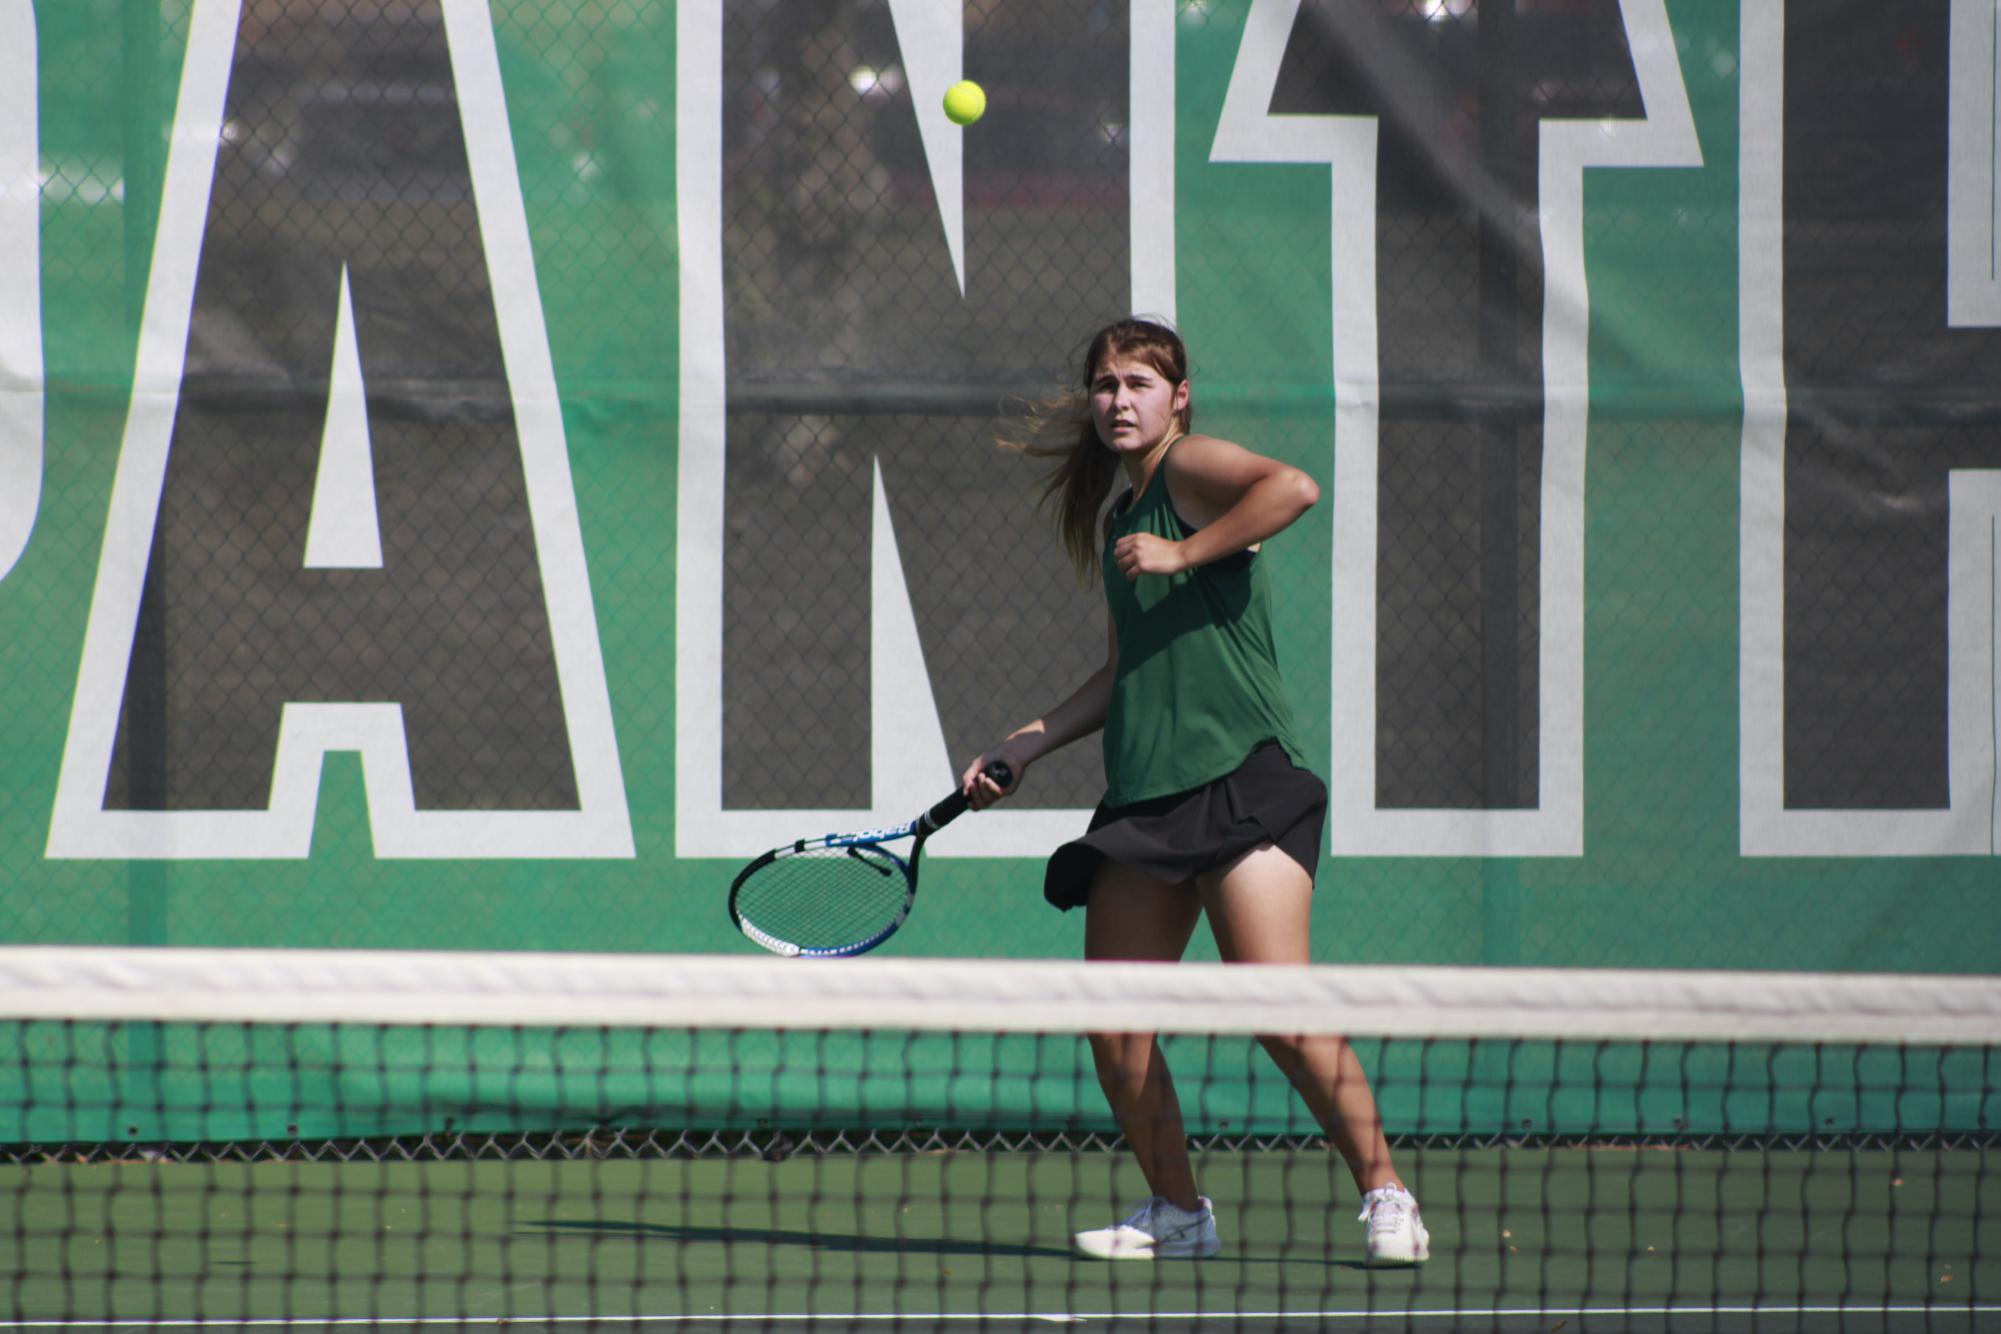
(1884, 399)
(1459, 95)
(342, 152)
(850, 345)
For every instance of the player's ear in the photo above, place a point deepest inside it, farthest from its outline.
(1181, 400)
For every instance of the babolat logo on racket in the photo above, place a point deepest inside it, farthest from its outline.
(865, 836)
(839, 895)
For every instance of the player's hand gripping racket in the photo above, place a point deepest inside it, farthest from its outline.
(839, 895)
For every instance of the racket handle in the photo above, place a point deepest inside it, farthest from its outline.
(954, 806)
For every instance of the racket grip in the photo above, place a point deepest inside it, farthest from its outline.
(954, 806)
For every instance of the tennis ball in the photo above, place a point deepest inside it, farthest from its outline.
(965, 102)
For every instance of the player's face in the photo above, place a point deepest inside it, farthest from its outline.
(1133, 405)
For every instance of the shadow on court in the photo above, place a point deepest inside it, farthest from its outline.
(858, 1244)
(778, 1236)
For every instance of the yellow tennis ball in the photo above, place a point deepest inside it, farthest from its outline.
(965, 102)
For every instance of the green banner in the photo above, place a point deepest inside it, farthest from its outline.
(474, 473)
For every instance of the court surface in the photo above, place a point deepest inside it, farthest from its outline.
(1522, 1238)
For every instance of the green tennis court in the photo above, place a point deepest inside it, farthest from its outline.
(1845, 1238)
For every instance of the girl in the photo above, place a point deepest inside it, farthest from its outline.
(1208, 808)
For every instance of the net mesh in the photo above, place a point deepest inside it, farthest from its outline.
(215, 1137)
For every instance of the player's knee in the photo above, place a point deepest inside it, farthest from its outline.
(1122, 1061)
(1284, 1048)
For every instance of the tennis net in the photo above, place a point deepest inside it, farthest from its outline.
(200, 1137)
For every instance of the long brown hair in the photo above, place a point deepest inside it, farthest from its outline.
(1061, 428)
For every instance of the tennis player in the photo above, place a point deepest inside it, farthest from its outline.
(1208, 807)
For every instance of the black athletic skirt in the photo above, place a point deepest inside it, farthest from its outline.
(1179, 836)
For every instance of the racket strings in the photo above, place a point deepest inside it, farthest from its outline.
(825, 897)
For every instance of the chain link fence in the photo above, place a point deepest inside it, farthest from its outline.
(869, 345)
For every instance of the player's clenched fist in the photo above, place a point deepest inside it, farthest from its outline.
(1146, 553)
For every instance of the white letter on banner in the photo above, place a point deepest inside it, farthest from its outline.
(21, 388)
(82, 825)
(1970, 823)
(1249, 132)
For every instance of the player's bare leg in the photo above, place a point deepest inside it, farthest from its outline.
(1131, 916)
(1260, 908)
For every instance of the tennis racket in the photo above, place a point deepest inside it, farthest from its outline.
(839, 895)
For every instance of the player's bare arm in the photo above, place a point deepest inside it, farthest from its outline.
(1234, 497)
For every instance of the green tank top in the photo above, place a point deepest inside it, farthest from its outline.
(1197, 687)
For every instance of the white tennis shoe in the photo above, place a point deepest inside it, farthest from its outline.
(1157, 1229)
(1396, 1232)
